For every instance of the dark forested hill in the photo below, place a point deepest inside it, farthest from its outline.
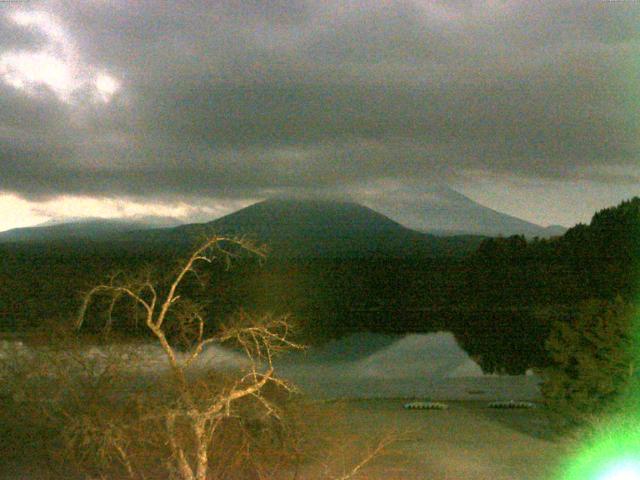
(315, 228)
(601, 259)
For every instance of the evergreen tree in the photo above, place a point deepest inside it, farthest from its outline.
(593, 359)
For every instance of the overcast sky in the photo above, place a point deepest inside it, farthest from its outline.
(196, 108)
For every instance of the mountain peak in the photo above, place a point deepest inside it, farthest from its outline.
(321, 227)
(307, 214)
(440, 209)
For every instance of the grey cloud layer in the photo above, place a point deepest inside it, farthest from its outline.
(238, 98)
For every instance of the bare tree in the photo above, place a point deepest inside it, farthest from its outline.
(202, 410)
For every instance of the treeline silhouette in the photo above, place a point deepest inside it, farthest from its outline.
(500, 301)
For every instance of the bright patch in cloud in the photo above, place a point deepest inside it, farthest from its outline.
(77, 207)
(42, 21)
(25, 71)
(18, 212)
(56, 66)
(106, 86)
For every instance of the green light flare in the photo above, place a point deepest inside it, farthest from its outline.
(612, 450)
(629, 470)
(612, 454)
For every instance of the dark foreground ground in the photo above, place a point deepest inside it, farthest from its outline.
(468, 441)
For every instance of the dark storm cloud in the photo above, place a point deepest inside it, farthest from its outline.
(242, 98)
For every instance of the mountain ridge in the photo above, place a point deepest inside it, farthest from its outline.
(84, 228)
(307, 227)
(441, 210)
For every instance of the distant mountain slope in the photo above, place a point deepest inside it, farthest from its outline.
(87, 229)
(297, 228)
(443, 211)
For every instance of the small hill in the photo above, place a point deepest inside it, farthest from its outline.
(86, 229)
